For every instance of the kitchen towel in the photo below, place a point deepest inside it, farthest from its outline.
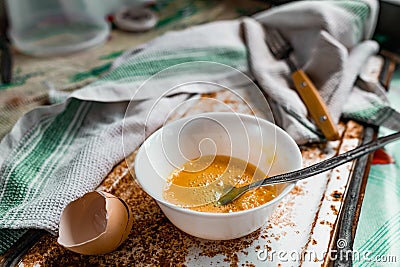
(377, 241)
(55, 154)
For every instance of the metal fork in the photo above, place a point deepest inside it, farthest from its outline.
(316, 106)
(312, 170)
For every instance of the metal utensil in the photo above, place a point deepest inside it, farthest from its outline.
(5, 62)
(304, 86)
(312, 170)
(5, 53)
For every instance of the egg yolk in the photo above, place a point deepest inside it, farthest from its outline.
(213, 172)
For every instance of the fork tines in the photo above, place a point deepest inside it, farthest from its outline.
(277, 43)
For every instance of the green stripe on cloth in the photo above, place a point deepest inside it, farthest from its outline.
(381, 241)
(37, 184)
(394, 238)
(147, 64)
(382, 231)
(29, 167)
(358, 8)
(379, 235)
(22, 169)
(32, 138)
(376, 114)
(361, 11)
(391, 185)
(8, 238)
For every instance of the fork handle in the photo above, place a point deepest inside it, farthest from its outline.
(330, 163)
(315, 104)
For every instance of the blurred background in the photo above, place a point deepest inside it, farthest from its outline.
(49, 27)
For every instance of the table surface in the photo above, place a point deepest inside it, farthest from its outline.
(305, 221)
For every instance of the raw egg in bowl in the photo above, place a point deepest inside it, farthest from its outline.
(188, 164)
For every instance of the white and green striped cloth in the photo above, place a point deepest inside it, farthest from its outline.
(57, 153)
(377, 240)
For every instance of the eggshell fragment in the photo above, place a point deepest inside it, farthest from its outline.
(96, 223)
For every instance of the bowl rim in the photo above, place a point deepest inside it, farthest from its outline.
(286, 190)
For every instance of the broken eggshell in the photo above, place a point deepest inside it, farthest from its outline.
(96, 223)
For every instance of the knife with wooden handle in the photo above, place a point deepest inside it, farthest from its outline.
(315, 105)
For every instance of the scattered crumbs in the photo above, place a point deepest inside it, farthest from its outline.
(282, 215)
(279, 265)
(315, 259)
(228, 248)
(235, 260)
(326, 223)
(338, 177)
(268, 248)
(298, 191)
(354, 130)
(209, 95)
(153, 241)
(230, 101)
(314, 242)
(258, 247)
(335, 211)
(336, 195)
(297, 232)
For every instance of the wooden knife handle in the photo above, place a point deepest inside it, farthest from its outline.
(315, 105)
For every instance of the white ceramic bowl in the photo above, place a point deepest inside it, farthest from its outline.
(242, 136)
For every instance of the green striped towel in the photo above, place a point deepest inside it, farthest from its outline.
(55, 154)
(377, 238)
